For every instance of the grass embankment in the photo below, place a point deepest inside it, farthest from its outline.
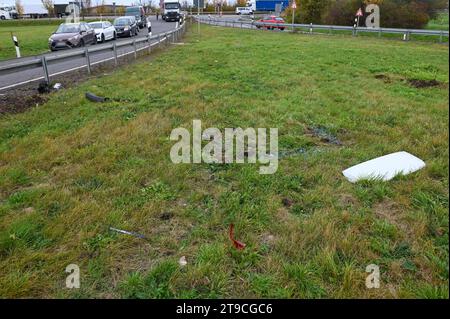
(70, 169)
(32, 39)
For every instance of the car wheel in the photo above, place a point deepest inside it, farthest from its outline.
(81, 44)
(115, 36)
(103, 38)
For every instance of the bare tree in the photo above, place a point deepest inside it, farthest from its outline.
(48, 5)
(19, 7)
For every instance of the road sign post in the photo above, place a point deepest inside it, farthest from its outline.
(198, 3)
(359, 14)
(293, 6)
(16, 45)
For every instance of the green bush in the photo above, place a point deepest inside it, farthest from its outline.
(393, 13)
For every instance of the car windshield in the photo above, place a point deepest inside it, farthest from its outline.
(68, 28)
(122, 22)
(96, 25)
(133, 12)
(171, 5)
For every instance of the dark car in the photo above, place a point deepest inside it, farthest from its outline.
(126, 26)
(72, 35)
(270, 20)
(139, 13)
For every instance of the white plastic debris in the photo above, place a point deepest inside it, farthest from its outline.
(57, 86)
(182, 261)
(384, 167)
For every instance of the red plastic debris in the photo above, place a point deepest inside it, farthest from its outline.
(237, 244)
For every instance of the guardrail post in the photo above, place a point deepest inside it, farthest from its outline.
(441, 35)
(45, 68)
(159, 40)
(310, 28)
(115, 53)
(88, 60)
(135, 49)
(331, 29)
(149, 43)
(379, 32)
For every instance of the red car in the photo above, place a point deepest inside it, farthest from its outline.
(271, 20)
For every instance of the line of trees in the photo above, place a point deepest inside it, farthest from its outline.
(393, 13)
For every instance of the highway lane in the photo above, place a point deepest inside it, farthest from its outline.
(59, 67)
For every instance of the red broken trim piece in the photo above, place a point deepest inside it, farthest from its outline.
(237, 244)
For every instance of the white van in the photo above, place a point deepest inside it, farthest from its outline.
(244, 10)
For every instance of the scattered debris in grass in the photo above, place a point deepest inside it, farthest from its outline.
(95, 98)
(127, 232)
(237, 244)
(287, 202)
(182, 261)
(324, 135)
(298, 151)
(44, 88)
(57, 86)
(384, 167)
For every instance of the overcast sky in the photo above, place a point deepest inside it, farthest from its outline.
(35, 6)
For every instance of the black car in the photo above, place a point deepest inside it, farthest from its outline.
(139, 13)
(126, 26)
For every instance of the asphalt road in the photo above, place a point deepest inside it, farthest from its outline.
(8, 81)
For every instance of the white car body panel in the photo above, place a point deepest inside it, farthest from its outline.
(108, 30)
(384, 167)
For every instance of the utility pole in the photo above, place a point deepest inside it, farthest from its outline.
(198, 16)
(293, 6)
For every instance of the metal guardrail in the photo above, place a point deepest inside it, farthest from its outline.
(43, 60)
(240, 23)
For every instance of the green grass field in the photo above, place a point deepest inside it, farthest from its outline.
(70, 169)
(33, 35)
(33, 40)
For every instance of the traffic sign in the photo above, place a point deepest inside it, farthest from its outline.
(359, 13)
(294, 5)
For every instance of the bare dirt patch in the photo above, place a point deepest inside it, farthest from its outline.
(18, 101)
(422, 84)
(385, 78)
(390, 211)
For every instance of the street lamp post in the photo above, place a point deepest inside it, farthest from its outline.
(293, 6)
